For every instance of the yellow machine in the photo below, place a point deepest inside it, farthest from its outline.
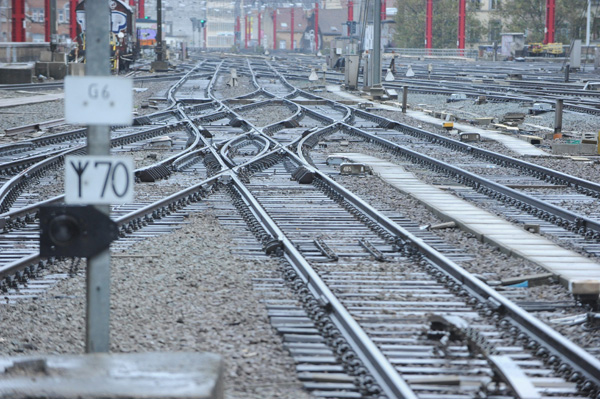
(553, 49)
(536, 49)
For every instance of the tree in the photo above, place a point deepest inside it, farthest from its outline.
(410, 24)
(529, 16)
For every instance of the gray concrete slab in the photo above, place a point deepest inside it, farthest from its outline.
(165, 375)
(578, 273)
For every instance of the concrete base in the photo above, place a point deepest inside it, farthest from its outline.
(104, 375)
(574, 149)
(76, 69)
(16, 74)
(54, 70)
(159, 66)
(21, 52)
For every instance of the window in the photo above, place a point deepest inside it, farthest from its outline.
(37, 14)
(67, 9)
(61, 16)
(494, 4)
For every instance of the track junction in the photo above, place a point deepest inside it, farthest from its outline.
(371, 299)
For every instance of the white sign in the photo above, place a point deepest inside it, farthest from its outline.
(98, 179)
(98, 100)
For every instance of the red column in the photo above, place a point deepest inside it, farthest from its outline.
(141, 9)
(47, 21)
(259, 27)
(429, 25)
(18, 20)
(350, 15)
(275, 29)
(549, 31)
(383, 10)
(246, 31)
(316, 27)
(461, 25)
(72, 19)
(292, 27)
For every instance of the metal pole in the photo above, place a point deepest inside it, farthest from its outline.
(159, 43)
(73, 19)
(350, 16)
(588, 23)
(275, 29)
(558, 111)
(376, 44)
(429, 26)
(246, 31)
(53, 26)
(18, 21)
(98, 143)
(292, 29)
(462, 11)
(316, 26)
(205, 40)
(259, 27)
(404, 98)
(47, 21)
(550, 20)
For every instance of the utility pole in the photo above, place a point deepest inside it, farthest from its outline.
(98, 143)
(95, 180)
(317, 26)
(429, 26)
(50, 23)
(588, 23)
(18, 21)
(246, 30)
(275, 29)
(159, 43)
(550, 19)
(72, 19)
(376, 44)
(259, 26)
(462, 12)
(292, 28)
(350, 16)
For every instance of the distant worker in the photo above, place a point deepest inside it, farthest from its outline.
(429, 70)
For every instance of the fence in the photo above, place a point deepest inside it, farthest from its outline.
(434, 52)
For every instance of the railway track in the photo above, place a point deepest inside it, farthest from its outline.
(368, 303)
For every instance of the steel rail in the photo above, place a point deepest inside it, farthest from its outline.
(546, 337)
(60, 85)
(130, 221)
(229, 147)
(584, 186)
(9, 190)
(542, 209)
(386, 376)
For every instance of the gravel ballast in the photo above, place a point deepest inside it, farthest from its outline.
(183, 291)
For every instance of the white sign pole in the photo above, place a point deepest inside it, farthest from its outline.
(97, 336)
